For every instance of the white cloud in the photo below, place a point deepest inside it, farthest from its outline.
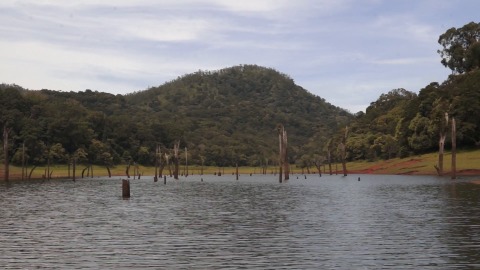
(167, 29)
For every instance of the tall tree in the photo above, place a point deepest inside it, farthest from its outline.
(461, 48)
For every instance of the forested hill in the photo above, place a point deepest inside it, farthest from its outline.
(223, 117)
(231, 114)
(402, 123)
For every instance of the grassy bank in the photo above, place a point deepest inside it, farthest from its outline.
(468, 163)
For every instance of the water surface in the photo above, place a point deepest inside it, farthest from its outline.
(329, 222)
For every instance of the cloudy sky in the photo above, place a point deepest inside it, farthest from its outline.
(346, 51)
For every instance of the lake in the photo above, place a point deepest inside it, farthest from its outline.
(328, 222)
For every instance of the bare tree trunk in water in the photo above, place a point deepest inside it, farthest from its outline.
(329, 161)
(186, 161)
(157, 157)
(236, 170)
(280, 130)
(127, 171)
(74, 167)
(286, 168)
(48, 164)
(454, 150)
(176, 147)
(343, 146)
(5, 151)
(441, 146)
(31, 171)
(24, 170)
(109, 172)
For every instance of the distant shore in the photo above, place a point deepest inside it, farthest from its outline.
(468, 164)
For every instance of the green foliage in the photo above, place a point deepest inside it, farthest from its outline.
(223, 117)
(401, 123)
(461, 48)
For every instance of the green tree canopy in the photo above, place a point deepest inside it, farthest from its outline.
(461, 48)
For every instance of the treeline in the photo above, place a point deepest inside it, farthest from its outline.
(401, 123)
(223, 118)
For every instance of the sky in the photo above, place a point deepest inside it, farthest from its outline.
(348, 52)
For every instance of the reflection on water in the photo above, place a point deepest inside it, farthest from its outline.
(332, 222)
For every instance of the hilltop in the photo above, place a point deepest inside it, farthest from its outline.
(231, 114)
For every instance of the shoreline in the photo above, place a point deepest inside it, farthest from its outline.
(461, 173)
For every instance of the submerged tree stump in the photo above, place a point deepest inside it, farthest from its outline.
(125, 188)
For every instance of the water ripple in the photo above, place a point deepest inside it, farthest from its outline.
(382, 222)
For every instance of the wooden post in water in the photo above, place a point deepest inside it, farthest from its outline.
(125, 188)
(454, 150)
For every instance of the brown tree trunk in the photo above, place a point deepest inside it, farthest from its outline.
(31, 171)
(109, 172)
(156, 164)
(280, 151)
(68, 169)
(236, 170)
(286, 166)
(176, 147)
(73, 168)
(319, 168)
(5, 151)
(186, 162)
(454, 150)
(441, 146)
(48, 165)
(329, 162)
(24, 170)
(127, 171)
(134, 170)
(344, 152)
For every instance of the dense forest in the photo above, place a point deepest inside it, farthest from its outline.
(223, 117)
(230, 116)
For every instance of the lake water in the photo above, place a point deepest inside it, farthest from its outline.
(329, 222)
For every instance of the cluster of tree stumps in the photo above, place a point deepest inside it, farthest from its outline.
(441, 146)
